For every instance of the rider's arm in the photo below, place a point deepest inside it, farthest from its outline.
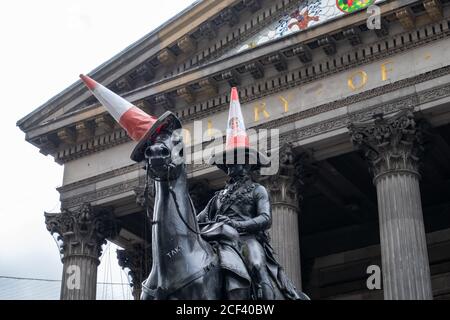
(205, 214)
(263, 219)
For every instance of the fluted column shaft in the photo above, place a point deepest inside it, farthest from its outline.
(393, 148)
(286, 239)
(81, 234)
(285, 235)
(402, 234)
(84, 267)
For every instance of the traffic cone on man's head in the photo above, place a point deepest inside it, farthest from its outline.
(139, 125)
(237, 146)
(236, 134)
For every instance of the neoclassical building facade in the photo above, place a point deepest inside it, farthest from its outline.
(361, 99)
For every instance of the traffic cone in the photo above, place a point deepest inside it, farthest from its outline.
(236, 133)
(237, 146)
(139, 125)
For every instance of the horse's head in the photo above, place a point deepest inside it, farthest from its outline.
(165, 156)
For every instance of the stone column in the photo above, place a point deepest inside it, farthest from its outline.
(393, 147)
(138, 261)
(81, 235)
(283, 189)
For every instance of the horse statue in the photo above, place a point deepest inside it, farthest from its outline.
(185, 265)
(189, 262)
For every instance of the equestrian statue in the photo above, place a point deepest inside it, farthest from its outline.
(224, 251)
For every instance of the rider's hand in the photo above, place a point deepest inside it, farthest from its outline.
(237, 225)
(225, 220)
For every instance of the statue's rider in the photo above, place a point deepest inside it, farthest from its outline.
(245, 206)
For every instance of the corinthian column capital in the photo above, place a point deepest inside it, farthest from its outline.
(285, 186)
(390, 144)
(82, 232)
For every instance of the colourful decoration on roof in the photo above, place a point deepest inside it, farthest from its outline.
(306, 14)
(349, 6)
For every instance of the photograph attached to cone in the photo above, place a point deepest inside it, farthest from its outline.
(140, 126)
(237, 147)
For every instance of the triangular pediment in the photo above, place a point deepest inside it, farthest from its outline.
(204, 33)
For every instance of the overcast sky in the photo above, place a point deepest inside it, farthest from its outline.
(45, 45)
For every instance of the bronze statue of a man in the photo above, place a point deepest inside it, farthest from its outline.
(245, 206)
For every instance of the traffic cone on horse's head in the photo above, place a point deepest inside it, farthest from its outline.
(139, 125)
(237, 141)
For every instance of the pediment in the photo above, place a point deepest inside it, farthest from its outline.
(222, 30)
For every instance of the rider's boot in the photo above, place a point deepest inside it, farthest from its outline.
(265, 290)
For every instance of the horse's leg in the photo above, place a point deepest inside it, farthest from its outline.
(207, 287)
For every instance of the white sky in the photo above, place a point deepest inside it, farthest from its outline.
(45, 45)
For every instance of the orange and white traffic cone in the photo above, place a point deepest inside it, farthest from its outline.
(139, 125)
(237, 146)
